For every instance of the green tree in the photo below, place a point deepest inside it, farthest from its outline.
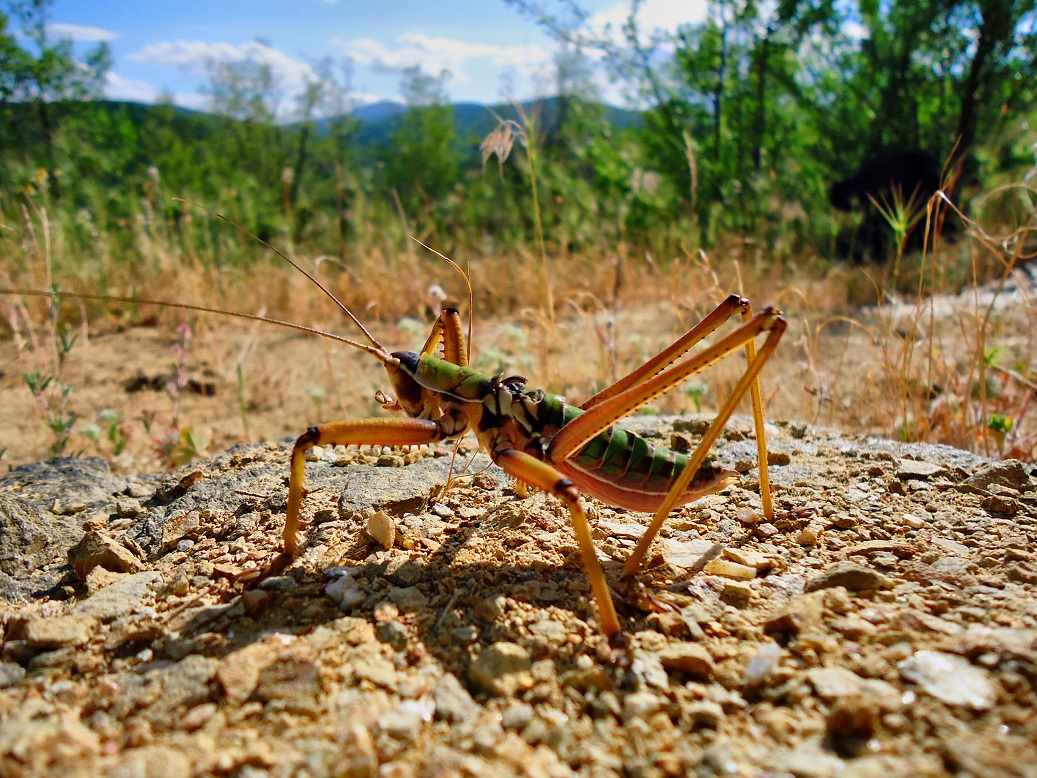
(48, 77)
(423, 162)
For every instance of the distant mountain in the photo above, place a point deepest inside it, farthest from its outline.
(383, 110)
(475, 120)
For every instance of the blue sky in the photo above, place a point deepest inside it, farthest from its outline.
(165, 47)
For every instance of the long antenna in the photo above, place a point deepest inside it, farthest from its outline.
(291, 262)
(468, 283)
(378, 351)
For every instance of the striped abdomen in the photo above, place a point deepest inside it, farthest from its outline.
(623, 469)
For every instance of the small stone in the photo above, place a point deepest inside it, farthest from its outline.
(747, 516)
(686, 553)
(517, 715)
(914, 522)
(277, 583)
(403, 569)
(851, 723)
(152, 761)
(778, 457)
(640, 705)
(70, 508)
(809, 535)
(744, 556)
(1009, 472)
(999, 506)
(587, 675)
(953, 547)
(767, 530)
(443, 511)
(178, 526)
(10, 674)
(345, 592)
(854, 628)
(648, 670)
(408, 598)
(453, 702)
(834, 682)
(60, 632)
(290, 678)
(728, 569)
(490, 609)
(912, 469)
(809, 761)
(357, 757)
(95, 549)
(238, 672)
(901, 549)
(885, 560)
(127, 508)
(466, 634)
(501, 669)
(99, 578)
(403, 724)
(620, 529)
(844, 521)
(122, 598)
(737, 593)
(950, 678)
(140, 490)
(763, 663)
(690, 658)
(801, 615)
(197, 717)
(854, 578)
(704, 714)
(393, 633)
(382, 528)
(37, 739)
(680, 442)
(377, 670)
(485, 481)
(183, 684)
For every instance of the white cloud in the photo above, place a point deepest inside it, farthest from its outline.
(194, 100)
(118, 88)
(653, 16)
(359, 98)
(196, 57)
(434, 54)
(78, 32)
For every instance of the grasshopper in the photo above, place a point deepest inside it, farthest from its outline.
(564, 450)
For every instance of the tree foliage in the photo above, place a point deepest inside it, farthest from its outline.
(747, 114)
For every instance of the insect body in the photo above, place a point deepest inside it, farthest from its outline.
(540, 440)
(561, 449)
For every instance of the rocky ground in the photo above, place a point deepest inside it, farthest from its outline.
(884, 622)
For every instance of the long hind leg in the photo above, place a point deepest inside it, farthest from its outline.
(543, 476)
(652, 380)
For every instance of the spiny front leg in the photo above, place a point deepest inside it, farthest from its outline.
(543, 476)
(364, 432)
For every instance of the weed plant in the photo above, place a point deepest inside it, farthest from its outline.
(912, 363)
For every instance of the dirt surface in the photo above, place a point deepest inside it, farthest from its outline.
(900, 370)
(884, 623)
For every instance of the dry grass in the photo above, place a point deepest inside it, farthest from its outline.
(959, 372)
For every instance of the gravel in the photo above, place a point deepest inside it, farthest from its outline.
(884, 622)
